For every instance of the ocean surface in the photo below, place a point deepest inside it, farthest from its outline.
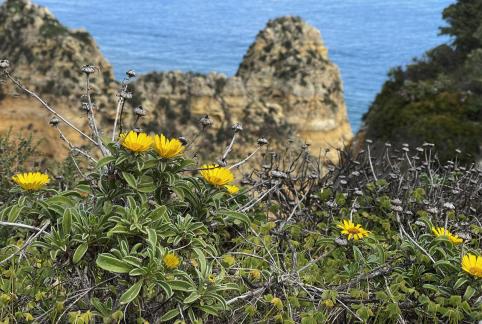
(365, 38)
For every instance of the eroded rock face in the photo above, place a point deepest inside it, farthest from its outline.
(285, 87)
(47, 57)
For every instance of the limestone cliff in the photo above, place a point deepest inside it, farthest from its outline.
(47, 57)
(285, 86)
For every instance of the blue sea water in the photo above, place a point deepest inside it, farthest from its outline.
(364, 37)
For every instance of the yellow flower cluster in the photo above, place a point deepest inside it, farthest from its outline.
(141, 142)
(31, 180)
(219, 176)
(470, 263)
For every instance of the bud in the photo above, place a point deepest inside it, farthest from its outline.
(88, 69)
(206, 121)
(4, 64)
(85, 106)
(183, 140)
(279, 174)
(237, 127)
(222, 163)
(262, 141)
(126, 94)
(139, 111)
(131, 74)
(54, 121)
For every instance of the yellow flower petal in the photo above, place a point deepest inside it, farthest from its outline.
(31, 180)
(168, 148)
(216, 175)
(136, 142)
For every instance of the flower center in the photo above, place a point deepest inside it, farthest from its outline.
(476, 271)
(354, 230)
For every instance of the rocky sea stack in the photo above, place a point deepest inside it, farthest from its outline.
(285, 87)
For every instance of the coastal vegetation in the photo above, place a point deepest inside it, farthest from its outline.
(437, 98)
(150, 226)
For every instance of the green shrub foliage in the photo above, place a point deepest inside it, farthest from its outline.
(437, 98)
(148, 240)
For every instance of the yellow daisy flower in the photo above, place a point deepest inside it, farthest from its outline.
(216, 175)
(231, 189)
(440, 231)
(167, 148)
(171, 261)
(136, 142)
(31, 180)
(353, 231)
(472, 264)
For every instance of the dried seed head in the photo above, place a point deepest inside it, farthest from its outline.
(88, 69)
(428, 144)
(54, 121)
(206, 122)
(138, 130)
(139, 111)
(397, 202)
(237, 127)
(85, 106)
(222, 162)
(343, 182)
(341, 241)
(125, 94)
(262, 141)
(405, 149)
(419, 149)
(368, 141)
(405, 145)
(4, 64)
(388, 145)
(131, 74)
(449, 205)
(458, 151)
(183, 140)
(358, 192)
(279, 174)
(397, 208)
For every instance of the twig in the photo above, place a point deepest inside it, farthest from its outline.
(27, 243)
(33, 94)
(245, 160)
(20, 225)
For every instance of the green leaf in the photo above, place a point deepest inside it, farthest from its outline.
(167, 288)
(173, 313)
(202, 261)
(130, 179)
(152, 237)
(146, 185)
(235, 216)
(14, 213)
(79, 252)
(131, 293)
(469, 293)
(67, 221)
(192, 298)
(104, 161)
(459, 283)
(180, 285)
(110, 263)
